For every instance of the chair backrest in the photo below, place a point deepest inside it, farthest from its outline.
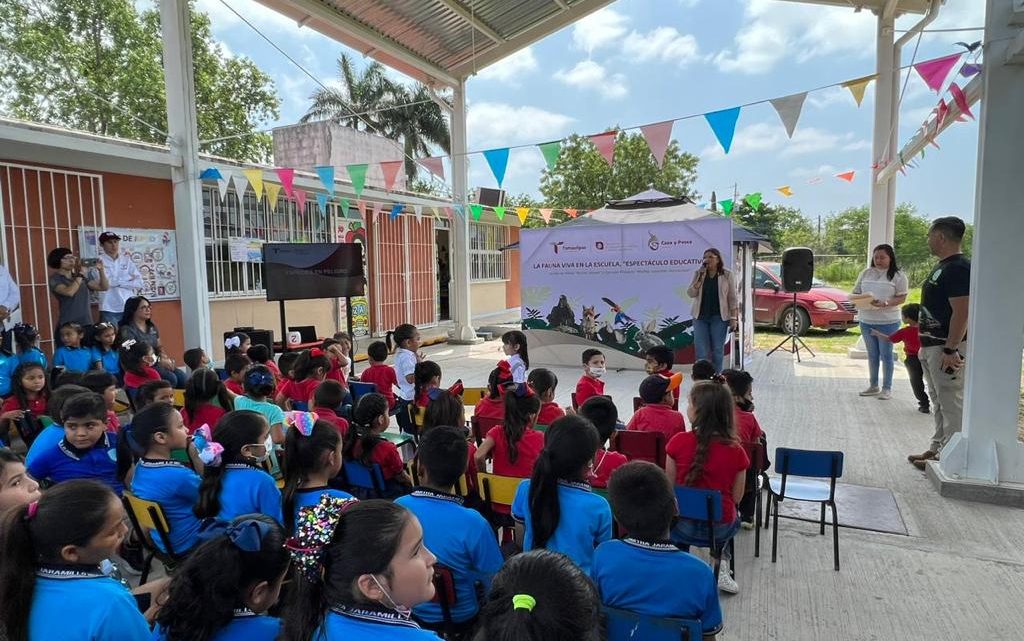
(179, 398)
(699, 504)
(367, 477)
(500, 490)
(307, 333)
(300, 406)
(810, 463)
(149, 517)
(755, 452)
(358, 390)
(473, 395)
(479, 426)
(623, 625)
(417, 414)
(572, 397)
(444, 584)
(639, 402)
(543, 429)
(640, 446)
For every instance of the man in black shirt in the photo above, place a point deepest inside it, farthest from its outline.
(945, 297)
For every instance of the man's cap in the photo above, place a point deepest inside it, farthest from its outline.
(108, 235)
(654, 387)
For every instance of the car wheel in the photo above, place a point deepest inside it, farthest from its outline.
(795, 323)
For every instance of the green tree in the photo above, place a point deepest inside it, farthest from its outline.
(782, 226)
(96, 65)
(583, 180)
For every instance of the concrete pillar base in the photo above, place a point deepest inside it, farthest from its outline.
(464, 335)
(858, 351)
(1008, 494)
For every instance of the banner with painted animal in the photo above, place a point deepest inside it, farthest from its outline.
(619, 288)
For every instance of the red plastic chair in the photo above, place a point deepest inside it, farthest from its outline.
(479, 427)
(640, 446)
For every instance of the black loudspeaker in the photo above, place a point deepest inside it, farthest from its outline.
(256, 336)
(490, 197)
(797, 269)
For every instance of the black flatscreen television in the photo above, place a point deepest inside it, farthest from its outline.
(298, 271)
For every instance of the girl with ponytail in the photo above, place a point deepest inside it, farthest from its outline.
(514, 445)
(709, 457)
(312, 457)
(364, 443)
(426, 376)
(555, 508)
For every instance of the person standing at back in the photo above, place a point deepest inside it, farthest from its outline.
(945, 299)
(10, 302)
(715, 307)
(123, 277)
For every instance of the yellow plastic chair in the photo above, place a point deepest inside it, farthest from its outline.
(148, 517)
(473, 395)
(179, 399)
(497, 490)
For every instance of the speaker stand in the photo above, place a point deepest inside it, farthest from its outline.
(793, 343)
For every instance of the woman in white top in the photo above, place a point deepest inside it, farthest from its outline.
(888, 288)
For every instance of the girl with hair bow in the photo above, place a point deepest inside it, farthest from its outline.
(514, 445)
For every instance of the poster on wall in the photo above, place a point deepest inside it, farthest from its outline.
(620, 288)
(352, 231)
(152, 250)
(245, 250)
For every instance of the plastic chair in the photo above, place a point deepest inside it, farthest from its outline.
(572, 397)
(367, 478)
(807, 464)
(473, 395)
(543, 429)
(148, 517)
(640, 446)
(479, 426)
(179, 399)
(623, 625)
(359, 390)
(497, 490)
(446, 596)
(758, 480)
(705, 505)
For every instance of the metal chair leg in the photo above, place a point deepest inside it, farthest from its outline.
(823, 519)
(146, 567)
(775, 528)
(757, 524)
(835, 534)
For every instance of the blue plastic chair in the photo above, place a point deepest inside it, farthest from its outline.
(705, 505)
(806, 464)
(369, 479)
(358, 390)
(623, 625)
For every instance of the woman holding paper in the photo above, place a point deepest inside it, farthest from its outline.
(878, 293)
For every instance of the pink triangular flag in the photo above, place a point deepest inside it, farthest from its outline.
(605, 144)
(361, 204)
(300, 200)
(433, 164)
(943, 111)
(961, 100)
(572, 213)
(546, 215)
(390, 169)
(657, 136)
(448, 210)
(847, 176)
(934, 72)
(287, 176)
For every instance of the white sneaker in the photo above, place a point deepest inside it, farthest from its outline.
(871, 391)
(885, 395)
(726, 583)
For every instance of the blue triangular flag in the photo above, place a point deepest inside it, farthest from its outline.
(321, 199)
(723, 123)
(498, 160)
(397, 209)
(211, 173)
(460, 210)
(327, 178)
(703, 205)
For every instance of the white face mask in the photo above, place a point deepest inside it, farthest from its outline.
(598, 372)
(404, 612)
(268, 445)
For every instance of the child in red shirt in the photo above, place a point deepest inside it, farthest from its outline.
(493, 405)
(590, 383)
(337, 352)
(137, 360)
(326, 401)
(235, 365)
(380, 374)
(657, 415)
(29, 394)
(659, 360)
(514, 446)
(543, 381)
(260, 355)
(911, 339)
(601, 411)
(365, 444)
(206, 400)
(311, 369)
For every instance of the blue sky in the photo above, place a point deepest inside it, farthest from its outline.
(643, 61)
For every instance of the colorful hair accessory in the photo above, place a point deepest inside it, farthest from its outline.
(314, 529)
(316, 352)
(233, 341)
(504, 371)
(255, 378)
(436, 393)
(33, 509)
(209, 450)
(457, 388)
(128, 344)
(523, 602)
(246, 535)
(302, 421)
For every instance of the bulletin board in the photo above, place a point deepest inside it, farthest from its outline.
(153, 250)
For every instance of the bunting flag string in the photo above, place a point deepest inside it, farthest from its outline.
(326, 174)
(523, 213)
(300, 199)
(343, 206)
(572, 213)
(858, 87)
(551, 151)
(417, 210)
(497, 160)
(210, 173)
(754, 200)
(546, 214)
(390, 169)
(437, 214)
(961, 100)
(935, 72)
(287, 176)
(727, 206)
(459, 209)
(499, 212)
(273, 193)
(223, 182)
(362, 208)
(723, 125)
(395, 210)
(357, 175)
(476, 210)
(241, 182)
(789, 108)
(658, 136)
(605, 145)
(433, 164)
(255, 177)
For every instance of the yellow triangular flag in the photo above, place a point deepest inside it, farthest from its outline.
(858, 87)
(273, 190)
(785, 191)
(255, 177)
(437, 215)
(523, 212)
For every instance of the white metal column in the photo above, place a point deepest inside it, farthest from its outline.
(883, 194)
(187, 189)
(458, 291)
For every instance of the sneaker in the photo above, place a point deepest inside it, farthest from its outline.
(885, 395)
(924, 409)
(747, 525)
(923, 457)
(871, 391)
(726, 583)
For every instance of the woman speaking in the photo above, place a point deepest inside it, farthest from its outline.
(888, 287)
(715, 307)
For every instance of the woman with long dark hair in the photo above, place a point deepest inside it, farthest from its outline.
(888, 287)
(70, 284)
(137, 324)
(715, 307)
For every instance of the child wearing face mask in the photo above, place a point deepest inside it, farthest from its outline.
(238, 484)
(590, 384)
(137, 359)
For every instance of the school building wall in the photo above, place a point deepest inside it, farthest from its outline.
(225, 315)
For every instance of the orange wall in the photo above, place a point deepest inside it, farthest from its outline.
(512, 294)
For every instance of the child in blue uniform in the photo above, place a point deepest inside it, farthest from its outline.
(644, 572)
(104, 352)
(87, 450)
(363, 567)
(153, 433)
(52, 586)
(223, 590)
(72, 355)
(313, 450)
(238, 484)
(26, 342)
(555, 508)
(53, 433)
(461, 538)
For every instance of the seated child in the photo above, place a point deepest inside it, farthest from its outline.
(206, 400)
(238, 484)
(260, 355)
(26, 342)
(657, 415)
(67, 378)
(543, 381)
(513, 446)
(16, 486)
(137, 360)
(460, 538)
(702, 370)
(27, 403)
(426, 377)
(380, 374)
(338, 353)
(311, 369)
(365, 444)
(645, 573)
(286, 364)
(326, 401)
(259, 387)
(601, 411)
(237, 343)
(493, 404)
(236, 574)
(659, 360)
(54, 432)
(196, 358)
(590, 384)
(72, 355)
(235, 365)
(313, 450)
(105, 384)
(104, 351)
(748, 430)
(87, 450)
(555, 508)
(446, 408)
(151, 392)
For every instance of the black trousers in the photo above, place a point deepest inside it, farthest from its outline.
(916, 372)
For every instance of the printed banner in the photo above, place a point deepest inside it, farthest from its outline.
(245, 250)
(616, 287)
(153, 250)
(353, 231)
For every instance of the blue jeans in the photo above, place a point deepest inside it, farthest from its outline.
(111, 317)
(709, 339)
(688, 532)
(879, 351)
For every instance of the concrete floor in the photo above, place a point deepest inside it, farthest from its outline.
(959, 575)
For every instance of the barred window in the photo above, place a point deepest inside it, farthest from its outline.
(487, 261)
(255, 221)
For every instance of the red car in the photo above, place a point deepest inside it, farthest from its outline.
(823, 306)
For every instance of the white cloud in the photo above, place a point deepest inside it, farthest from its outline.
(493, 123)
(511, 70)
(600, 29)
(689, 4)
(803, 172)
(766, 137)
(264, 18)
(664, 44)
(588, 74)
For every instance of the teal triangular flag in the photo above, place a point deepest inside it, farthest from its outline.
(321, 199)
(550, 150)
(498, 160)
(357, 174)
(327, 178)
(460, 210)
(211, 173)
(723, 123)
(343, 206)
(395, 210)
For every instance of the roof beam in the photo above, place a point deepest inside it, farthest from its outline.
(457, 8)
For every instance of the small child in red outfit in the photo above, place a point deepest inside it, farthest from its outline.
(206, 400)
(911, 339)
(137, 360)
(235, 365)
(365, 444)
(590, 383)
(326, 401)
(657, 414)
(660, 360)
(543, 381)
(601, 411)
(29, 394)
(379, 373)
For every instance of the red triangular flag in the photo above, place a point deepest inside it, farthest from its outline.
(605, 144)
(657, 136)
(287, 177)
(300, 200)
(943, 111)
(961, 100)
(361, 204)
(433, 164)
(571, 212)
(546, 215)
(390, 169)
(847, 176)
(935, 72)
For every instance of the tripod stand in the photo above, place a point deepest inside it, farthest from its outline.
(795, 343)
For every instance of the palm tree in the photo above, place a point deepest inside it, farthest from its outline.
(386, 107)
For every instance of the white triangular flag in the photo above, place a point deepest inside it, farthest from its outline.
(225, 180)
(789, 108)
(241, 184)
(418, 210)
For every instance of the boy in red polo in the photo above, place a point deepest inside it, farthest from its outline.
(911, 339)
(590, 384)
(379, 373)
(660, 360)
(657, 414)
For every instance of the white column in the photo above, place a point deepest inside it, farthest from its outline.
(459, 292)
(883, 195)
(988, 449)
(187, 189)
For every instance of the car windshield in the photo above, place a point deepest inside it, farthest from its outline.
(777, 270)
